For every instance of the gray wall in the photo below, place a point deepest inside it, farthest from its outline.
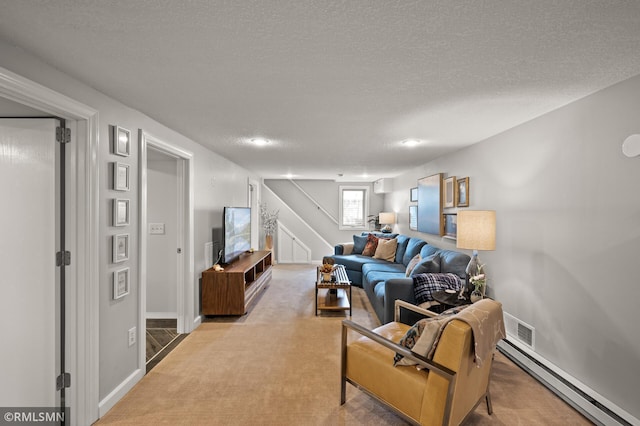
(568, 233)
(218, 182)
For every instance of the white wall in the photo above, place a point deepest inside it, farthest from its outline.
(568, 233)
(218, 182)
(162, 260)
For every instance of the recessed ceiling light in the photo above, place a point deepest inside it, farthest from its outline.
(259, 141)
(411, 142)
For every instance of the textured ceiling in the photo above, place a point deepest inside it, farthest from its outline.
(334, 84)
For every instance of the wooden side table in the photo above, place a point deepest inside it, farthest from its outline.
(335, 297)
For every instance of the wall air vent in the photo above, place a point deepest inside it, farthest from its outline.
(519, 330)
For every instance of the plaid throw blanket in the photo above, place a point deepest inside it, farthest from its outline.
(425, 284)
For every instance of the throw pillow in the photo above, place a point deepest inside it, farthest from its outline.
(359, 241)
(412, 264)
(370, 247)
(386, 249)
(428, 265)
(421, 339)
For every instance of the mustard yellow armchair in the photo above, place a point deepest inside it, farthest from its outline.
(446, 388)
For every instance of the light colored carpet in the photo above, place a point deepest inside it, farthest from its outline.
(280, 365)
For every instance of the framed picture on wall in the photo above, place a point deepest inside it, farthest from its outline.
(463, 192)
(120, 283)
(450, 190)
(450, 225)
(120, 248)
(121, 141)
(120, 212)
(413, 195)
(120, 176)
(413, 217)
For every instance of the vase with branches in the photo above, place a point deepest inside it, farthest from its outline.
(269, 223)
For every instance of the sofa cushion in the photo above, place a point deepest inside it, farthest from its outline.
(370, 247)
(359, 242)
(413, 247)
(454, 262)
(386, 249)
(403, 240)
(355, 262)
(427, 250)
(382, 266)
(412, 264)
(430, 264)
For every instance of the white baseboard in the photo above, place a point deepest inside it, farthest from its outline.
(120, 391)
(591, 404)
(162, 315)
(197, 321)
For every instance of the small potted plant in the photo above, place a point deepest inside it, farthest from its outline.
(325, 270)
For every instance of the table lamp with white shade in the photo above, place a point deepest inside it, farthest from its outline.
(476, 231)
(387, 219)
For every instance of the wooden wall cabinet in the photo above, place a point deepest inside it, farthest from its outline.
(230, 292)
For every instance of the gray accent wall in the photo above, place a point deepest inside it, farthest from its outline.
(568, 233)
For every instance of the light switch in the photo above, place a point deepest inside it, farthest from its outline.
(156, 228)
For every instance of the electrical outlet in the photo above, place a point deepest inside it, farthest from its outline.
(132, 336)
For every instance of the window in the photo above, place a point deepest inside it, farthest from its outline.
(354, 207)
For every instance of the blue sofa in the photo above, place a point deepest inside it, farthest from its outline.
(385, 281)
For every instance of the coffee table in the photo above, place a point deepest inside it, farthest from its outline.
(332, 296)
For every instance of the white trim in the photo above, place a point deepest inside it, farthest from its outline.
(84, 311)
(295, 240)
(120, 391)
(185, 286)
(366, 189)
(294, 213)
(162, 315)
(544, 371)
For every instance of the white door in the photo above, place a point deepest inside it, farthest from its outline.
(290, 249)
(29, 298)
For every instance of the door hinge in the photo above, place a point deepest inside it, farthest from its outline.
(63, 381)
(63, 135)
(63, 258)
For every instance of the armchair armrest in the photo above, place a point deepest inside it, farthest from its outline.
(343, 248)
(417, 309)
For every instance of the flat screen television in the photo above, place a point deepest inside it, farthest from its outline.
(236, 233)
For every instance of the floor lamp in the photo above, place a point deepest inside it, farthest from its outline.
(476, 231)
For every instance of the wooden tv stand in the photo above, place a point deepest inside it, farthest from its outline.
(230, 292)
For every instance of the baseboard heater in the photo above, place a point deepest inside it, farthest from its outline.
(597, 409)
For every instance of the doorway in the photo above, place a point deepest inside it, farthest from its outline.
(82, 221)
(166, 248)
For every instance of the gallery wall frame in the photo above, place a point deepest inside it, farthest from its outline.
(430, 219)
(120, 283)
(450, 225)
(413, 194)
(120, 212)
(413, 218)
(120, 248)
(450, 192)
(463, 192)
(121, 141)
(120, 176)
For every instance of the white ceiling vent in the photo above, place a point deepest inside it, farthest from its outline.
(519, 330)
